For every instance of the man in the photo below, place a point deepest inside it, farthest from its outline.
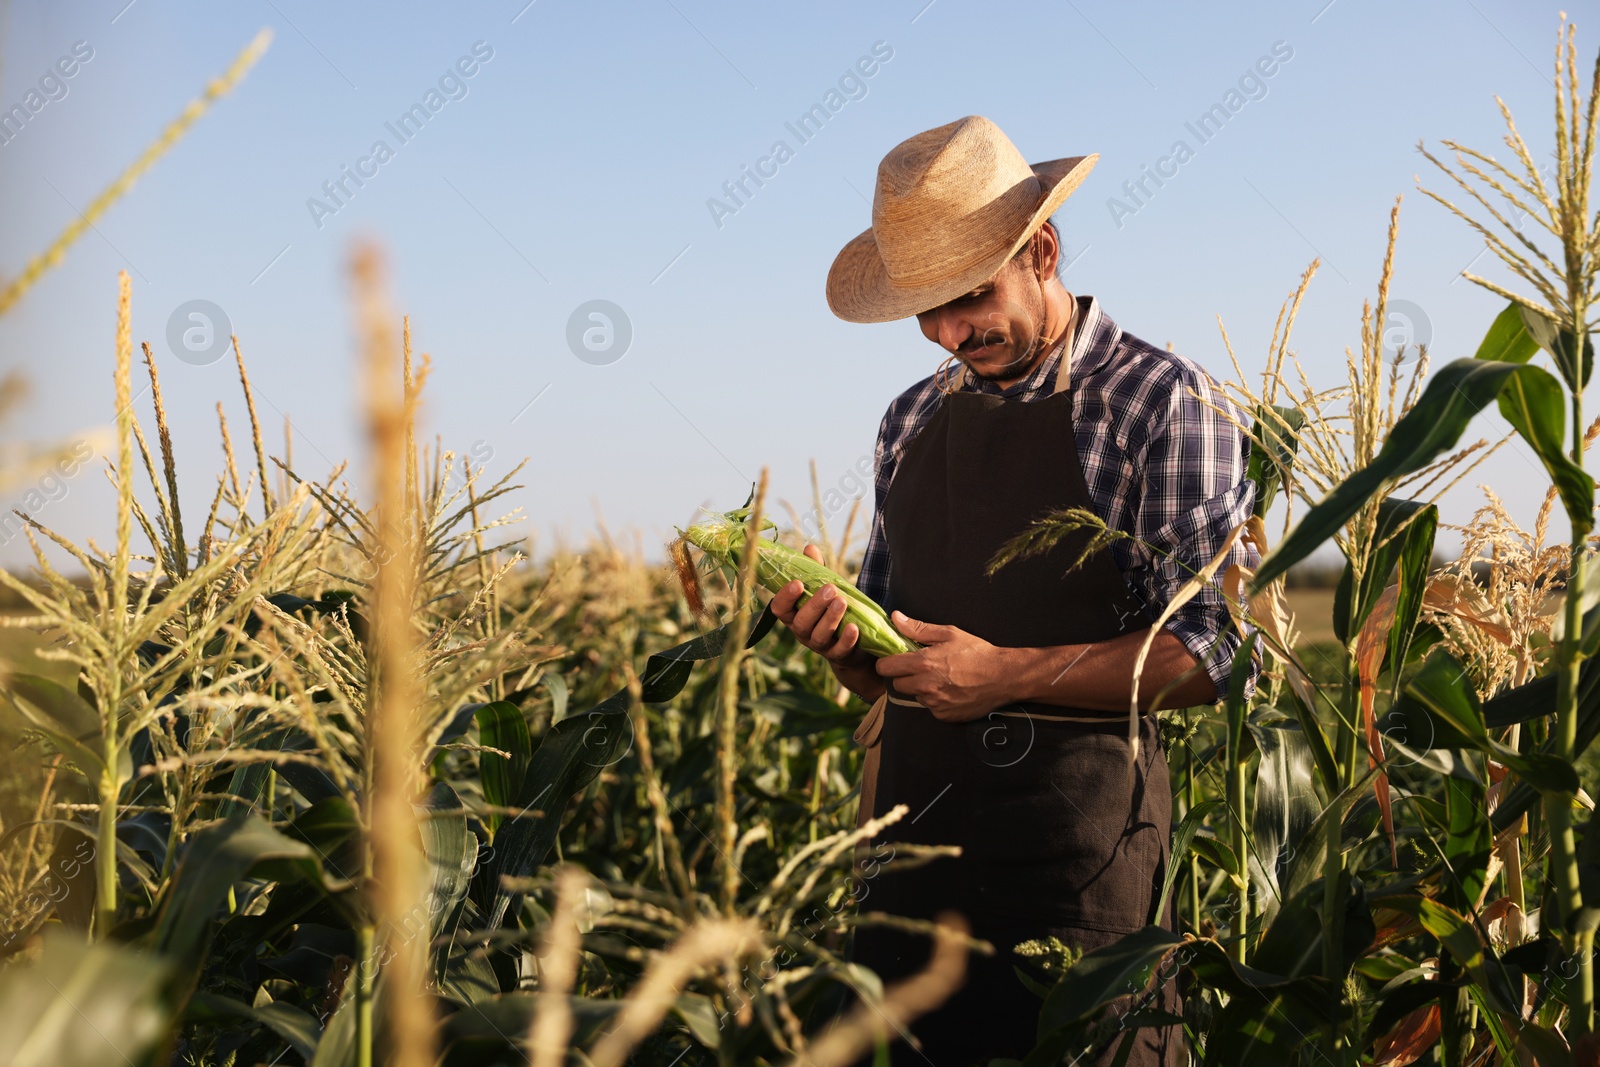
(1007, 734)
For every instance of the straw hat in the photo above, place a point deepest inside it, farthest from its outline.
(952, 205)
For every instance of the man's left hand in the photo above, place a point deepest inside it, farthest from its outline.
(956, 675)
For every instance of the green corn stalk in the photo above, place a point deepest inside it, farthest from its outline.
(777, 565)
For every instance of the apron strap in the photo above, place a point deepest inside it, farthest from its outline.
(1063, 372)
(869, 735)
(1045, 716)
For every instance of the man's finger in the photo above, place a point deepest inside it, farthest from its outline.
(849, 634)
(835, 614)
(902, 665)
(813, 552)
(811, 611)
(928, 633)
(783, 601)
(911, 688)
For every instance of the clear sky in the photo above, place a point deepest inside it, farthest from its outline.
(576, 161)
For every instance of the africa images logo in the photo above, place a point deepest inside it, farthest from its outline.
(852, 85)
(452, 85)
(1252, 85)
(52, 85)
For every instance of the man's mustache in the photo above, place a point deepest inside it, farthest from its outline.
(982, 341)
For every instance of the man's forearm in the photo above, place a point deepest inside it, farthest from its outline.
(1099, 676)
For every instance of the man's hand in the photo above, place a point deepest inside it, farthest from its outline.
(815, 624)
(957, 676)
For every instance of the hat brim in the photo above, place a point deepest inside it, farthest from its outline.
(859, 286)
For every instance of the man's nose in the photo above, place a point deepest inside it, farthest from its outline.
(954, 331)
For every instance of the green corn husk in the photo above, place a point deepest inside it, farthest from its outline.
(778, 565)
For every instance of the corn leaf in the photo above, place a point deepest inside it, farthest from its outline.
(1403, 1002)
(1533, 403)
(1273, 445)
(501, 726)
(1411, 577)
(573, 752)
(84, 1005)
(1440, 704)
(1399, 522)
(1277, 1001)
(1283, 805)
(1214, 850)
(1524, 703)
(1452, 398)
(1530, 701)
(1280, 1001)
(297, 1027)
(333, 830)
(1563, 348)
(1460, 936)
(337, 1046)
(451, 849)
(1467, 844)
(1101, 976)
(65, 717)
(1316, 740)
(1508, 340)
(247, 790)
(1182, 838)
(1535, 1044)
(496, 1030)
(468, 976)
(214, 860)
(1292, 944)
(1304, 868)
(309, 779)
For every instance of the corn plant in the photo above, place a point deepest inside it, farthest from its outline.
(1389, 912)
(348, 775)
(330, 751)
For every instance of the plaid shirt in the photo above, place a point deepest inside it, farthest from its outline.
(1160, 465)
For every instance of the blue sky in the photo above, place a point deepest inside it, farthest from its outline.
(576, 163)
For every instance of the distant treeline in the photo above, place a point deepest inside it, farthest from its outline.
(1325, 575)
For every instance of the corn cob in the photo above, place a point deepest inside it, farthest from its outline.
(778, 565)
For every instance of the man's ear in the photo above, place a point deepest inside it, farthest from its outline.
(1047, 251)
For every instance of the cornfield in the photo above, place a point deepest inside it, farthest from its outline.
(340, 774)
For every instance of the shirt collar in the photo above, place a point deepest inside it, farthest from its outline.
(1093, 341)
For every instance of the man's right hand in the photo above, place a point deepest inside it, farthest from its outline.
(815, 623)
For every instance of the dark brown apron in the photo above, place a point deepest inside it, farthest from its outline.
(1054, 841)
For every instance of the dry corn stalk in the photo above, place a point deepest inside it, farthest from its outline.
(392, 741)
(711, 941)
(215, 89)
(902, 1003)
(551, 1028)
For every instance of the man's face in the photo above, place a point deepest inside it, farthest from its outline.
(994, 327)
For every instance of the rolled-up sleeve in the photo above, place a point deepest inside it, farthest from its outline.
(1195, 492)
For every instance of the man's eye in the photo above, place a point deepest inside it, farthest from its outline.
(964, 301)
